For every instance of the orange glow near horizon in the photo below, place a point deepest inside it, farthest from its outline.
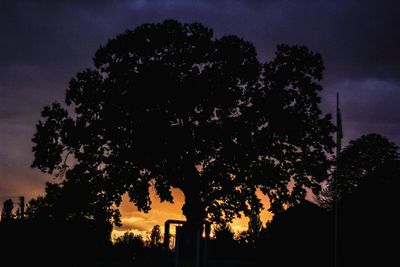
(141, 223)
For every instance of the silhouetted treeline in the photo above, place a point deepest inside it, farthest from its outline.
(302, 235)
(51, 234)
(299, 236)
(131, 249)
(74, 243)
(56, 231)
(52, 243)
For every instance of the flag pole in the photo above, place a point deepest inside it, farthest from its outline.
(339, 136)
(339, 130)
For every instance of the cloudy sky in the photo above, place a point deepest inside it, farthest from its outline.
(44, 43)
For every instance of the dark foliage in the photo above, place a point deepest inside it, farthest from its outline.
(155, 237)
(7, 214)
(368, 223)
(170, 105)
(367, 161)
(302, 235)
(53, 243)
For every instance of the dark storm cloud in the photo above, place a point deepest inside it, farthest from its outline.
(43, 44)
(51, 34)
(355, 37)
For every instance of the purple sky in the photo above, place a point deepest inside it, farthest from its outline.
(44, 44)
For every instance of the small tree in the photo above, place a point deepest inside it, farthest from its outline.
(7, 213)
(130, 246)
(363, 158)
(155, 237)
(367, 161)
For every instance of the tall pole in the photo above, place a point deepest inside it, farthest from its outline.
(339, 136)
(22, 207)
(339, 130)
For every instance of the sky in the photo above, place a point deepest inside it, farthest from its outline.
(44, 43)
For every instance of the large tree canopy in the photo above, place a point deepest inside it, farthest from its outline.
(170, 106)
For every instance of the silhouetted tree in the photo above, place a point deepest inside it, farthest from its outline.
(368, 181)
(7, 213)
(155, 237)
(367, 177)
(169, 103)
(130, 246)
(131, 240)
(367, 161)
(362, 158)
(223, 244)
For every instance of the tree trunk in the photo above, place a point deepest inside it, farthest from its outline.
(190, 245)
